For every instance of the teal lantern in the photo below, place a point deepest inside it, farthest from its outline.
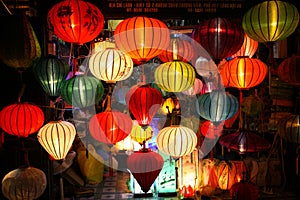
(82, 91)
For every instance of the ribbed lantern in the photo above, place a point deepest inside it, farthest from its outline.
(142, 38)
(21, 119)
(196, 89)
(289, 70)
(145, 165)
(217, 106)
(76, 21)
(24, 183)
(111, 65)
(82, 91)
(220, 37)
(289, 129)
(141, 134)
(143, 103)
(270, 21)
(176, 141)
(50, 72)
(248, 48)
(175, 76)
(243, 72)
(57, 137)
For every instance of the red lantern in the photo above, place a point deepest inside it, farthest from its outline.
(244, 191)
(289, 70)
(145, 165)
(21, 119)
(142, 38)
(76, 21)
(143, 103)
(211, 130)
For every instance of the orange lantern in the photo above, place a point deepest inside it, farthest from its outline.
(142, 38)
(76, 21)
(248, 48)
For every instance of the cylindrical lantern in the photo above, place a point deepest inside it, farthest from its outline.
(141, 134)
(270, 21)
(50, 73)
(248, 48)
(111, 65)
(21, 119)
(57, 137)
(243, 72)
(175, 76)
(142, 38)
(217, 106)
(76, 21)
(24, 183)
(176, 141)
(82, 91)
(289, 70)
(196, 89)
(289, 129)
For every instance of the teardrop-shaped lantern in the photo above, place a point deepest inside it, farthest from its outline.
(143, 102)
(289, 128)
(175, 76)
(141, 37)
(145, 165)
(111, 65)
(82, 91)
(57, 137)
(110, 127)
(211, 130)
(243, 72)
(196, 89)
(50, 72)
(289, 70)
(176, 141)
(217, 106)
(21, 119)
(220, 37)
(24, 183)
(270, 21)
(76, 21)
(141, 134)
(248, 48)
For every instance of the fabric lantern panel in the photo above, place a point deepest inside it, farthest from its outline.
(141, 134)
(288, 70)
(248, 48)
(226, 174)
(211, 130)
(196, 89)
(244, 190)
(289, 129)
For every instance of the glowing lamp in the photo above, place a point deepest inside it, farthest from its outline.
(169, 105)
(141, 134)
(248, 48)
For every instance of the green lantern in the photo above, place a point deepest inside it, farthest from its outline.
(270, 21)
(82, 91)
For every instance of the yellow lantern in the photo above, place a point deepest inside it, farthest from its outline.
(141, 134)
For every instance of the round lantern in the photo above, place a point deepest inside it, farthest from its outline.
(248, 48)
(57, 137)
(270, 21)
(289, 128)
(244, 190)
(226, 173)
(196, 89)
(143, 103)
(220, 37)
(82, 91)
(176, 141)
(21, 119)
(76, 21)
(288, 70)
(145, 165)
(50, 73)
(24, 183)
(175, 76)
(141, 134)
(142, 38)
(111, 65)
(211, 130)
(217, 106)
(110, 127)
(243, 72)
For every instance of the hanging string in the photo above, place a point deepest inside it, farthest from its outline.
(22, 90)
(241, 124)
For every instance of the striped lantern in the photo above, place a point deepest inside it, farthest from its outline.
(243, 72)
(57, 137)
(175, 76)
(141, 134)
(75, 21)
(196, 89)
(248, 48)
(270, 21)
(111, 65)
(82, 91)
(288, 70)
(176, 141)
(21, 119)
(217, 106)
(289, 129)
(50, 72)
(142, 38)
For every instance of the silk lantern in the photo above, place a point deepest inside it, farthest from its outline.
(57, 137)
(270, 21)
(210, 130)
(248, 48)
(50, 72)
(145, 165)
(244, 190)
(196, 89)
(288, 70)
(111, 65)
(75, 21)
(289, 128)
(82, 91)
(175, 76)
(143, 103)
(176, 140)
(141, 134)
(24, 183)
(141, 37)
(21, 119)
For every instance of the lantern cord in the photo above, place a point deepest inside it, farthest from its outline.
(271, 63)
(25, 153)
(6, 8)
(22, 90)
(240, 110)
